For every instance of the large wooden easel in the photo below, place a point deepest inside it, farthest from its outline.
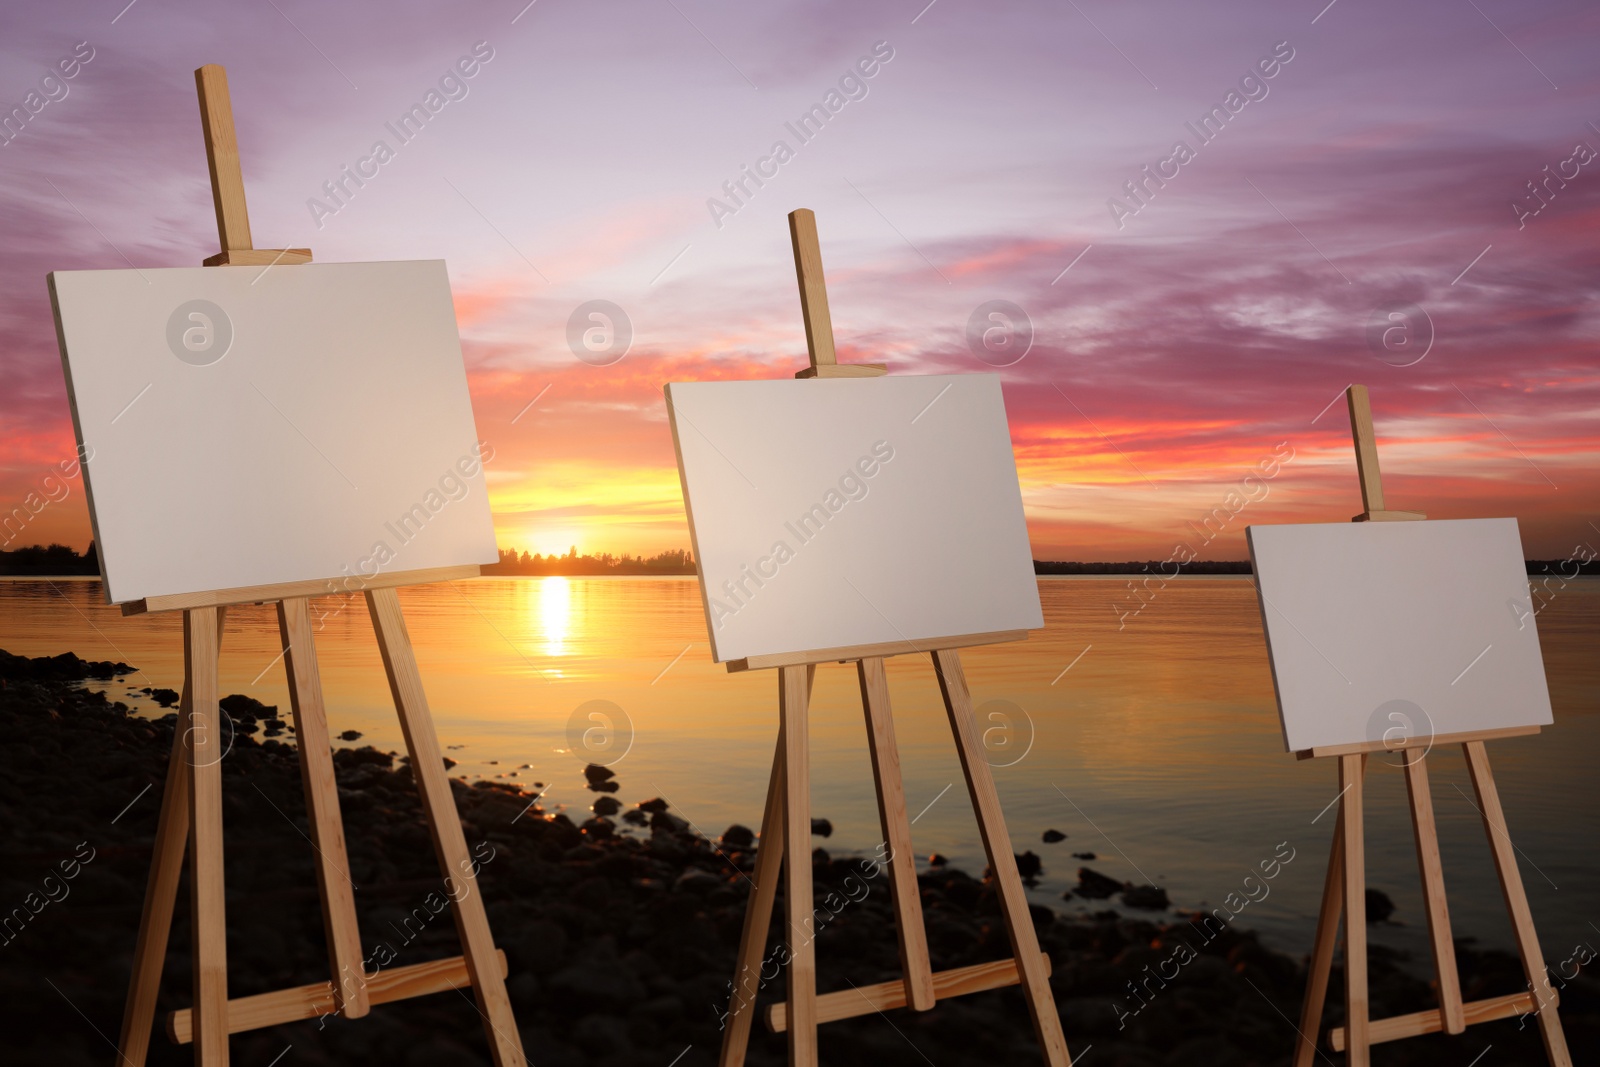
(1345, 887)
(786, 826)
(191, 805)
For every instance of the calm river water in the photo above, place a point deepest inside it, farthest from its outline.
(1158, 750)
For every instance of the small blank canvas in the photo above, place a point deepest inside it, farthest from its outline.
(1383, 631)
(835, 512)
(247, 426)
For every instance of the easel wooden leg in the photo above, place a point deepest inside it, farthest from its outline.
(757, 921)
(1451, 1013)
(322, 808)
(907, 894)
(1357, 1040)
(206, 748)
(1505, 862)
(449, 843)
(1002, 861)
(160, 893)
(794, 696)
(1321, 966)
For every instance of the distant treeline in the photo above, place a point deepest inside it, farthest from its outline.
(60, 560)
(676, 561)
(1166, 567)
(49, 560)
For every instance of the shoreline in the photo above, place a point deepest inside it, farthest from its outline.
(620, 929)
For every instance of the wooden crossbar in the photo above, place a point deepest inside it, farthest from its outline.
(845, 653)
(317, 999)
(1418, 1023)
(958, 981)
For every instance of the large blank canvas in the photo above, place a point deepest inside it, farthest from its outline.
(338, 410)
(930, 544)
(1425, 628)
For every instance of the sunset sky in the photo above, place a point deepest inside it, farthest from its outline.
(1379, 167)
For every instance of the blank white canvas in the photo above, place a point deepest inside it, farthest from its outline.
(931, 544)
(339, 408)
(1420, 628)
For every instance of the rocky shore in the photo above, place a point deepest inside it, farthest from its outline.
(620, 928)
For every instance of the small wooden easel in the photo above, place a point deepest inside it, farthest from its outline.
(191, 805)
(786, 826)
(1345, 887)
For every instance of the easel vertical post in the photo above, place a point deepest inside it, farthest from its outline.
(1356, 1008)
(813, 289)
(207, 902)
(794, 696)
(222, 158)
(1366, 448)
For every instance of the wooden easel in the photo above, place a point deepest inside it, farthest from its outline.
(786, 826)
(191, 805)
(1345, 887)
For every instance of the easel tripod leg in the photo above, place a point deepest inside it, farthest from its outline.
(322, 808)
(444, 823)
(1451, 1012)
(206, 747)
(914, 962)
(1305, 1052)
(1505, 862)
(1002, 861)
(794, 696)
(757, 921)
(160, 893)
(1357, 1012)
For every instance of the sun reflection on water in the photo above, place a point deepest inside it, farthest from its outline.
(555, 613)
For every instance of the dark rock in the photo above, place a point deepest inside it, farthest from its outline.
(1052, 836)
(1084, 856)
(1379, 906)
(1095, 886)
(598, 829)
(606, 806)
(1029, 866)
(737, 836)
(635, 817)
(350, 735)
(665, 820)
(596, 773)
(937, 860)
(164, 697)
(448, 762)
(653, 806)
(604, 787)
(821, 828)
(1147, 897)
